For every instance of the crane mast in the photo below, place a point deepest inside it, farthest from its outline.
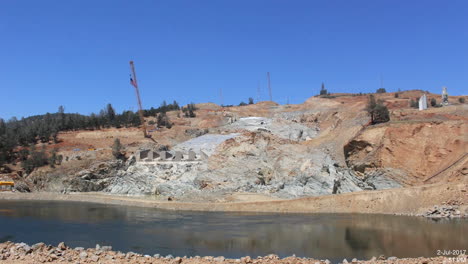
(133, 81)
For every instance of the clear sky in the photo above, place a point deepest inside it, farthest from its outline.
(75, 53)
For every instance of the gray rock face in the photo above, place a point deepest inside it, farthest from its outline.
(96, 178)
(259, 155)
(171, 179)
(377, 180)
(250, 163)
(22, 187)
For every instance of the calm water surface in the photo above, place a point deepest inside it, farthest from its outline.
(151, 231)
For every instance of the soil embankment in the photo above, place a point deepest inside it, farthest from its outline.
(413, 200)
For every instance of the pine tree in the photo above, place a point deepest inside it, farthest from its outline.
(61, 114)
(176, 105)
(163, 107)
(110, 114)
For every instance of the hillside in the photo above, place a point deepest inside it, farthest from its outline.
(266, 151)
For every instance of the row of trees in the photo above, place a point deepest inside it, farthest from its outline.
(324, 92)
(19, 137)
(161, 109)
(242, 103)
(44, 128)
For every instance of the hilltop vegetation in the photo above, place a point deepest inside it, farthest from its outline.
(19, 137)
(45, 128)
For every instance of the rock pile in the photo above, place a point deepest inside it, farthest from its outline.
(41, 253)
(444, 211)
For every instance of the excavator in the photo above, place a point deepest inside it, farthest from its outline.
(133, 81)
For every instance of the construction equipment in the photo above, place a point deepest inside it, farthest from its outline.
(6, 185)
(133, 81)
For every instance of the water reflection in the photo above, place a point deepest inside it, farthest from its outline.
(153, 231)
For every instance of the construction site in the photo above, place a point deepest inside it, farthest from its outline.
(266, 151)
(234, 132)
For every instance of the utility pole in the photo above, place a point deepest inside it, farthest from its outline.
(221, 96)
(133, 81)
(269, 86)
(258, 91)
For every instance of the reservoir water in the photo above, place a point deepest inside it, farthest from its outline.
(151, 231)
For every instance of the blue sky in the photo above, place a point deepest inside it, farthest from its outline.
(75, 53)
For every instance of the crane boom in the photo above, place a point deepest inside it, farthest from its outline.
(134, 82)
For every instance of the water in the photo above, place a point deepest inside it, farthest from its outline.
(151, 231)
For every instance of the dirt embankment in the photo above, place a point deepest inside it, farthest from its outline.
(413, 200)
(418, 149)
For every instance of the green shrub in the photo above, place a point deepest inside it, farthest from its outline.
(377, 110)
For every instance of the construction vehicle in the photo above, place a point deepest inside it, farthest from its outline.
(6, 185)
(133, 81)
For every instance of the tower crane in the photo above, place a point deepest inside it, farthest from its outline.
(133, 81)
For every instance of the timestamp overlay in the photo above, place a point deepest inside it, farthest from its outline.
(453, 255)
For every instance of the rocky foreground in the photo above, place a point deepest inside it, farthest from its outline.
(41, 253)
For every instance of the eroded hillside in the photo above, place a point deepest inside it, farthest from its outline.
(266, 150)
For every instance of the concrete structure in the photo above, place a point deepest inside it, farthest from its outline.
(178, 156)
(146, 155)
(444, 96)
(191, 156)
(423, 102)
(166, 156)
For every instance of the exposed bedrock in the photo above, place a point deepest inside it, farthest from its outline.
(254, 162)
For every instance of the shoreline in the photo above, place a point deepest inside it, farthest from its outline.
(405, 201)
(22, 253)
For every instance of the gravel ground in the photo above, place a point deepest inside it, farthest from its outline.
(20, 253)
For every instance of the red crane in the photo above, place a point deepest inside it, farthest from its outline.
(133, 81)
